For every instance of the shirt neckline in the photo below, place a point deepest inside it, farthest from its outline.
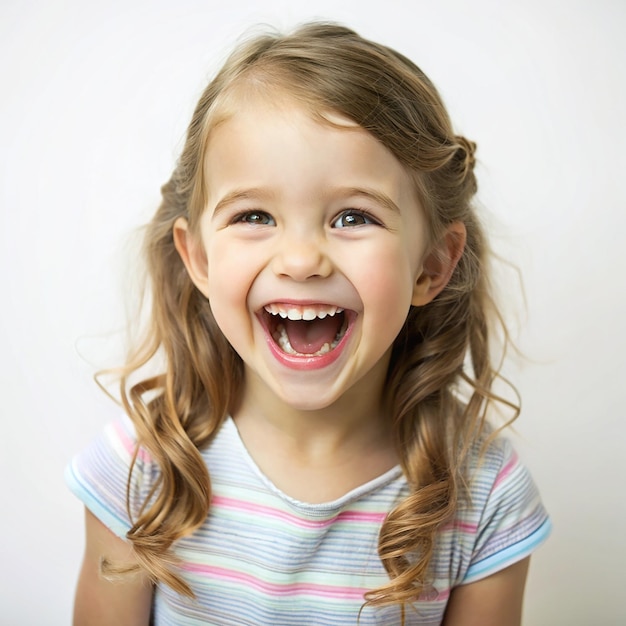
(320, 508)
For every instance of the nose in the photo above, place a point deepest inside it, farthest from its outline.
(301, 258)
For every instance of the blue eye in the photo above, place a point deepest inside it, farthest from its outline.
(255, 218)
(352, 218)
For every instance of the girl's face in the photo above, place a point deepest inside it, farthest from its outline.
(311, 251)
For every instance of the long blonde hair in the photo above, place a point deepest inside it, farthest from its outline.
(441, 355)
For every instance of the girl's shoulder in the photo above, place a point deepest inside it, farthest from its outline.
(99, 475)
(493, 472)
(500, 518)
(489, 461)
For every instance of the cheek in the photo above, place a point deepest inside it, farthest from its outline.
(386, 283)
(388, 299)
(228, 286)
(228, 305)
(228, 268)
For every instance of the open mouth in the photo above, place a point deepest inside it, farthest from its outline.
(306, 331)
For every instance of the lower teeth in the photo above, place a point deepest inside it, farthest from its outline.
(282, 339)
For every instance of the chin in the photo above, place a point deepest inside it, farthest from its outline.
(304, 406)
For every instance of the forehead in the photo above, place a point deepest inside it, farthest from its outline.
(257, 135)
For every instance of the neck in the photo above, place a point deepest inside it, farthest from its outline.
(355, 420)
(320, 454)
(317, 456)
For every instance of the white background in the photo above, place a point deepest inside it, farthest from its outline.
(94, 100)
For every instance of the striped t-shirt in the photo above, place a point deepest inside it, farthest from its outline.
(263, 558)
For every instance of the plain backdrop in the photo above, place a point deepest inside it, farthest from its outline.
(94, 101)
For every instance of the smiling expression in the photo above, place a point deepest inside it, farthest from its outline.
(310, 251)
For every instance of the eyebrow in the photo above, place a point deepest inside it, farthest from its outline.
(371, 194)
(259, 193)
(236, 195)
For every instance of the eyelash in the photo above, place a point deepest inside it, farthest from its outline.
(361, 213)
(245, 218)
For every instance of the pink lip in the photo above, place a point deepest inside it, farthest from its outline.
(306, 362)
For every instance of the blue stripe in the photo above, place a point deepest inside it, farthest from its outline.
(97, 506)
(509, 555)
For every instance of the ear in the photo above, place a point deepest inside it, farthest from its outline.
(439, 264)
(192, 254)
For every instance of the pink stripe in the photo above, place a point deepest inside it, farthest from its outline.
(276, 589)
(268, 511)
(441, 596)
(462, 526)
(506, 470)
(129, 443)
(362, 516)
(432, 595)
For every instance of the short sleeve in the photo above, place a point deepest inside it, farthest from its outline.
(512, 520)
(98, 476)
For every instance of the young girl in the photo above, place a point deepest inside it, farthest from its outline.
(315, 449)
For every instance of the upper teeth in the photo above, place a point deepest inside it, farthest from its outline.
(307, 313)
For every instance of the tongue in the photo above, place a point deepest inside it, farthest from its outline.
(309, 337)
